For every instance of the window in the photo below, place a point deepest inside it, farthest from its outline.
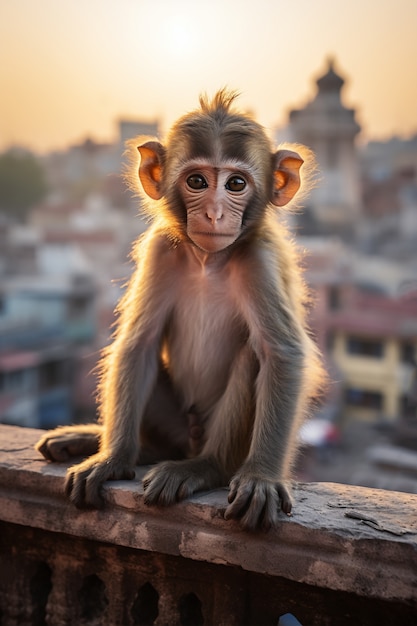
(408, 353)
(362, 398)
(330, 341)
(52, 374)
(373, 348)
(16, 381)
(334, 298)
(408, 407)
(78, 307)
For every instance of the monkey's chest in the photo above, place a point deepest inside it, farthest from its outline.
(203, 339)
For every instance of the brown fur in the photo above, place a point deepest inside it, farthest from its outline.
(211, 370)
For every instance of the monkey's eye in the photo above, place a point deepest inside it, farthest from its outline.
(197, 181)
(235, 183)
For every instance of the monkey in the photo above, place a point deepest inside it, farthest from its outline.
(211, 369)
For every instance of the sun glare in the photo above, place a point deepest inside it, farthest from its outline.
(179, 37)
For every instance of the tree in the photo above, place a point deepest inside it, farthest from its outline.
(22, 182)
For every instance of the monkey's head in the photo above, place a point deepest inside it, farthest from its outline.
(217, 174)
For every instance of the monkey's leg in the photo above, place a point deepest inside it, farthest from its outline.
(66, 442)
(226, 446)
(165, 432)
(168, 432)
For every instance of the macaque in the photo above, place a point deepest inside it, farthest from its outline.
(211, 370)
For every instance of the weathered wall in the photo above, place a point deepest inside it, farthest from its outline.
(347, 556)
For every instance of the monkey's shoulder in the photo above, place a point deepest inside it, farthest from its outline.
(156, 242)
(269, 247)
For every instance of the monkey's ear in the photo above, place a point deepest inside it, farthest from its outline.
(286, 176)
(152, 154)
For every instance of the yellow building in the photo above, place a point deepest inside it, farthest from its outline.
(377, 373)
(372, 340)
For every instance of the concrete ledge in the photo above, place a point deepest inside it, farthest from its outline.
(362, 541)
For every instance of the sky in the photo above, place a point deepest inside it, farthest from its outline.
(70, 69)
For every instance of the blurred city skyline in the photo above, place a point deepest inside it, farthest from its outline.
(71, 70)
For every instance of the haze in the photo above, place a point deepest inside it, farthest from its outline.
(71, 69)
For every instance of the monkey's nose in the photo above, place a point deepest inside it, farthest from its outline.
(214, 215)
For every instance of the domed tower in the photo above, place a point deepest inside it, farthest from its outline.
(329, 129)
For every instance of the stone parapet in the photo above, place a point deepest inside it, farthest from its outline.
(347, 555)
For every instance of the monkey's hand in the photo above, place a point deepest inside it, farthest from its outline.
(256, 502)
(84, 482)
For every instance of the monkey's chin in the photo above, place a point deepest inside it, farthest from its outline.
(212, 242)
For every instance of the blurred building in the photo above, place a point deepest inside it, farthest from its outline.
(389, 179)
(329, 129)
(92, 167)
(373, 342)
(61, 275)
(133, 128)
(44, 324)
(365, 320)
(380, 159)
(93, 236)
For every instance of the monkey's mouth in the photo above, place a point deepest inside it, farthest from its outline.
(210, 241)
(210, 234)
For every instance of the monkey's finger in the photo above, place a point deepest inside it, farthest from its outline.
(93, 483)
(285, 498)
(75, 489)
(84, 489)
(269, 516)
(253, 516)
(147, 479)
(264, 508)
(240, 501)
(233, 487)
(68, 484)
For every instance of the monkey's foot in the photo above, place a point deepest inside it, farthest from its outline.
(171, 481)
(65, 442)
(84, 482)
(257, 502)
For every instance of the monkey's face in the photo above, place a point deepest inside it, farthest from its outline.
(215, 199)
(216, 187)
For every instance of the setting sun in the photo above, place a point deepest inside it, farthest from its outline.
(178, 37)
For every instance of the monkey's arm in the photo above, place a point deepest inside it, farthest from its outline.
(128, 374)
(259, 488)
